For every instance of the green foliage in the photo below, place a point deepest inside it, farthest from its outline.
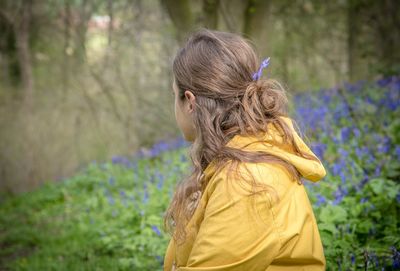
(109, 216)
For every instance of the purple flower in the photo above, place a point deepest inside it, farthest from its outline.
(384, 145)
(263, 65)
(378, 170)
(161, 179)
(342, 176)
(375, 259)
(110, 200)
(345, 133)
(321, 200)
(161, 147)
(384, 81)
(319, 149)
(156, 230)
(111, 181)
(145, 194)
(397, 152)
(356, 132)
(395, 257)
(121, 160)
(339, 194)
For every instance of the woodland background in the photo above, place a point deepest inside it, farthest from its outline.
(84, 80)
(90, 153)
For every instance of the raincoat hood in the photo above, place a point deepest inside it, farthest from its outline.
(272, 143)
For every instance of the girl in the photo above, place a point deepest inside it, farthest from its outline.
(244, 206)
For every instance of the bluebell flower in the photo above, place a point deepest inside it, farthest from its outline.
(384, 81)
(319, 149)
(395, 257)
(343, 153)
(371, 159)
(335, 140)
(353, 258)
(160, 181)
(342, 176)
(364, 181)
(359, 152)
(336, 169)
(369, 100)
(121, 160)
(339, 166)
(156, 230)
(397, 152)
(338, 196)
(111, 181)
(375, 259)
(345, 133)
(145, 194)
(321, 200)
(378, 170)
(356, 132)
(384, 145)
(110, 200)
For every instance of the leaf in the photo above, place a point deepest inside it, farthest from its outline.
(333, 214)
(328, 227)
(377, 185)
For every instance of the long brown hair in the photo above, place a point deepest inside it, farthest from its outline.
(218, 67)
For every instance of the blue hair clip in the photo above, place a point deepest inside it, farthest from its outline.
(264, 64)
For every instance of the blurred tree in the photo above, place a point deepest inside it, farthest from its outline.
(257, 23)
(16, 20)
(181, 15)
(373, 37)
(99, 71)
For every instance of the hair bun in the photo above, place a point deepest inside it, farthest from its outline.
(253, 87)
(265, 95)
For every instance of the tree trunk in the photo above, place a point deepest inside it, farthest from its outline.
(257, 23)
(66, 49)
(21, 30)
(181, 16)
(387, 34)
(210, 13)
(351, 38)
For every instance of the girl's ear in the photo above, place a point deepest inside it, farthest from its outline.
(191, 100)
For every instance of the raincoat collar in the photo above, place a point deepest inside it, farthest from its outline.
(272, 143)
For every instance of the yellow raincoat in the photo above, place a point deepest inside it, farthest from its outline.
(229, 236)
